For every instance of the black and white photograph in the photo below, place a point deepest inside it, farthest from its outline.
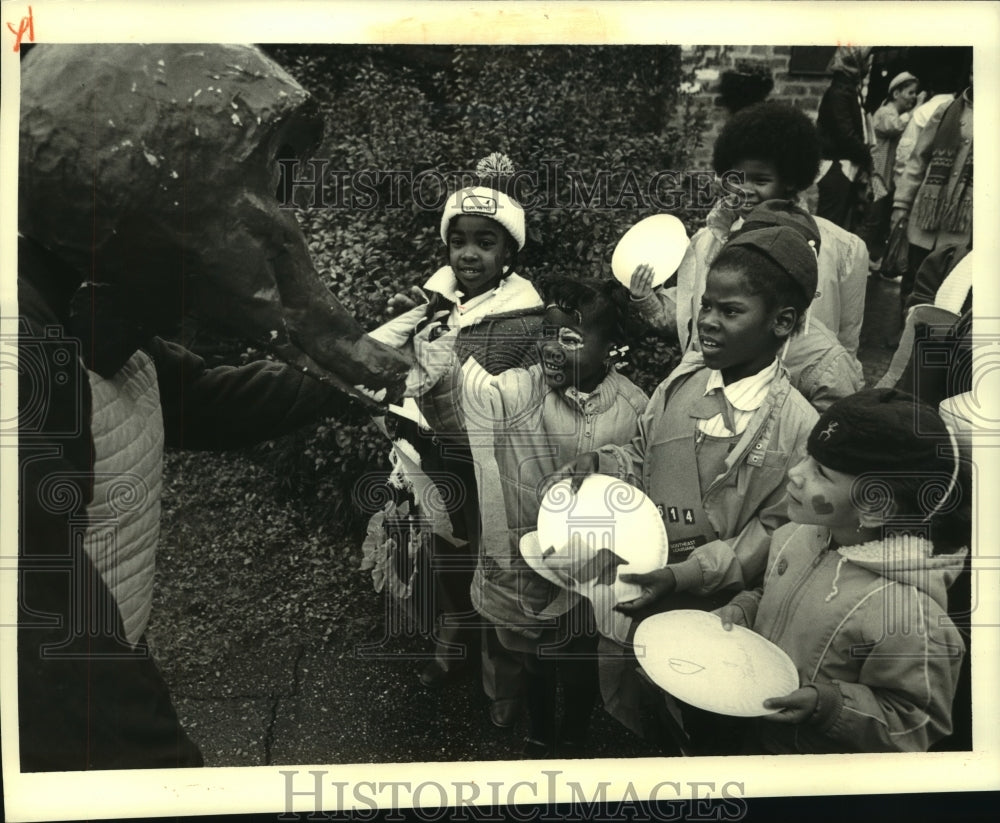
(461, 407)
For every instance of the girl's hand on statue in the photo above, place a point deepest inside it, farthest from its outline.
(404, 301)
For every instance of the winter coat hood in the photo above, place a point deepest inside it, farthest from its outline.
(909, 559)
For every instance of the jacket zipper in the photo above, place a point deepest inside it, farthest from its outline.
(588, 431)
(794, 597)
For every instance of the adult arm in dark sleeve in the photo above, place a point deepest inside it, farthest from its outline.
(233, 406)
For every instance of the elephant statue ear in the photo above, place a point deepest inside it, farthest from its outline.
(153, 169)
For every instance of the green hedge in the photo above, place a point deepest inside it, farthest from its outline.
(414, 109)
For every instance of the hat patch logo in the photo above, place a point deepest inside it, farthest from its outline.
(474, 204)
(827, 433)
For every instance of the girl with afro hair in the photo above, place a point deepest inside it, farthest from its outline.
(770, 151)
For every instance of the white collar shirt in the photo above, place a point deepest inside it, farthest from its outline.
(744, 397)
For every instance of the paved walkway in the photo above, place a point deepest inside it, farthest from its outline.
(881, 328)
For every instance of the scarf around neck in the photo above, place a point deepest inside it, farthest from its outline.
(933, 210)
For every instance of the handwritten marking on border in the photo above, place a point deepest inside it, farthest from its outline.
(27, 24)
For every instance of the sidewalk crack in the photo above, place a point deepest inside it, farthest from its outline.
(276, 701)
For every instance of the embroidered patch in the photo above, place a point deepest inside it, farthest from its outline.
(684, 546)
(828, 432)
(474, 204)
(672, 515)
(689, 516)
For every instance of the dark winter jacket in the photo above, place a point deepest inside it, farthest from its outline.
(839, 123)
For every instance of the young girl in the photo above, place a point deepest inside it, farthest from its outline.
(855, 589)
(523, 424)
(476, 305)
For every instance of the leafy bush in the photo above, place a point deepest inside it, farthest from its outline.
(600, 121)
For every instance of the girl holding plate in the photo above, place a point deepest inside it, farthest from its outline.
(855, 590)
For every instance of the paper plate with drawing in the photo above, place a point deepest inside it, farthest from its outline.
(689, 654)
(585, 541)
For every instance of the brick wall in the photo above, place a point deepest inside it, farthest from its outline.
(705, 64)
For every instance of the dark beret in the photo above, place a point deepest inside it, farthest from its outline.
(786, 247)
(881, 430)
(784, 213)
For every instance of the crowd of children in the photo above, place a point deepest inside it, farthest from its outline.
(791, 497)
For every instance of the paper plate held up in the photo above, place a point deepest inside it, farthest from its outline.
(688, 654)
(659, 241)
(531, 551)
(585, 541)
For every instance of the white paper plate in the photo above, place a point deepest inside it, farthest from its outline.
(531, 551)
(585, 541)
(690, 655)
(659, 241)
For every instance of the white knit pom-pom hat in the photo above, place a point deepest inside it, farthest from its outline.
(484, 201)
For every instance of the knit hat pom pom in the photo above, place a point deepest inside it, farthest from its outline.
(495, 165)
(492, 198)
